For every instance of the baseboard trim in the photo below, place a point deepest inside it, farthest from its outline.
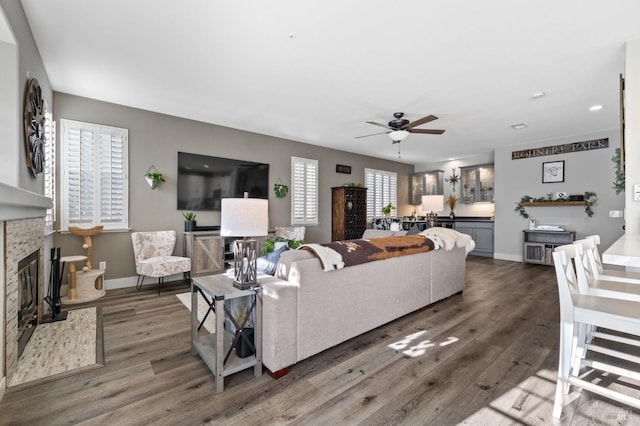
(510, 257)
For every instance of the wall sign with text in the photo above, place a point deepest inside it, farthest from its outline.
(561, 149)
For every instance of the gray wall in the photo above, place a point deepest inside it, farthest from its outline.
(30, 65)
(584, 171)
(156, 139)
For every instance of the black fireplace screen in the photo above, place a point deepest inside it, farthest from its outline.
(28, 274)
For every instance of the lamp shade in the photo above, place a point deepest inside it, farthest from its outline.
(432, 203)
(244, 217)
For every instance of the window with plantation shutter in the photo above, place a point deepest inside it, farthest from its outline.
(95, 176)
(49, 169)
(382, 189)
(304, 191)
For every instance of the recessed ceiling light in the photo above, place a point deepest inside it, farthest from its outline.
(518, 126)
(596, 108)
(537, 95)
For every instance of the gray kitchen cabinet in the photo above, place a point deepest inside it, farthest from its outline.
(481, 233)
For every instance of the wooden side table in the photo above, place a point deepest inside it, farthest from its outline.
(218, 350)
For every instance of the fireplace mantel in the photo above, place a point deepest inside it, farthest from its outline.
(17, 203)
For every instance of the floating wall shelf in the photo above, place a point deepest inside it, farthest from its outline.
(553, 203)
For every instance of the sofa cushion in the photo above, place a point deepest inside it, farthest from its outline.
(377, 233)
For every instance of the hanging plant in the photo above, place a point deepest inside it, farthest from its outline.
(590, 200)
(619, 182)
(280, 189)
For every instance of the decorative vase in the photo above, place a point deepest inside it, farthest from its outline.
(452, 215)
(189, 225)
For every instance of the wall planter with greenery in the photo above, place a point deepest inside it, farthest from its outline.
(590, 199)
(153, 177)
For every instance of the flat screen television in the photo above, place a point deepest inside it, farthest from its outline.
(203, 181)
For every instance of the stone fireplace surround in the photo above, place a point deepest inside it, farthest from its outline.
(21, 233)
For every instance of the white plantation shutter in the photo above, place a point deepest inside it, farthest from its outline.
(95, 172)
(49, 169)
(382, 189)
(304, 192)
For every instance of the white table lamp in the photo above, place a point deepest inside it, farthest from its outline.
(432, 204)
(244, 217)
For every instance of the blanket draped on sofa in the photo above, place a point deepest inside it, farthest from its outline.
(338, 254)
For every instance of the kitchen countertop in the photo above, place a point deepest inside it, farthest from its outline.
(456, 219)
(624, 252)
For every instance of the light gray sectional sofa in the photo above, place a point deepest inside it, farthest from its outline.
(307, 310)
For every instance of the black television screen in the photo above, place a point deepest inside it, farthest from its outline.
(203, 181)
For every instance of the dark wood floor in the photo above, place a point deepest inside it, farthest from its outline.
(488, 356)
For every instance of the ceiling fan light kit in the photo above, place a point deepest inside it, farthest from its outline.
(399, 128)
(398, 136)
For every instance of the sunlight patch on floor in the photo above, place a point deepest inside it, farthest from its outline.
(414, 345)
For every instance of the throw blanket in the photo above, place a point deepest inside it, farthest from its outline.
(338, 254)
(449, 238)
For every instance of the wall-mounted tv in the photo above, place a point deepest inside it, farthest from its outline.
(204, 180)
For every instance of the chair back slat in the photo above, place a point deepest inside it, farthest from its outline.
(594, 255)
(567, 280)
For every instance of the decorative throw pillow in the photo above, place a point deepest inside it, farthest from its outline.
(413, 230)
(267, 264)
(279, 244)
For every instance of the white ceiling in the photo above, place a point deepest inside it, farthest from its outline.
(315, 71)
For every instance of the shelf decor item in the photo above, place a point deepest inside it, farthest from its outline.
(153, 177)
(247, 218)
(280, 189)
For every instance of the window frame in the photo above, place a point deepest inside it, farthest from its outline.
(378, 195)
(309, 191)
(98, 132)
(49, 169)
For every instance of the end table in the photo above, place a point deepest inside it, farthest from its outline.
(218, 350)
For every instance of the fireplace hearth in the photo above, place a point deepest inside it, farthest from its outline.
(28, 276)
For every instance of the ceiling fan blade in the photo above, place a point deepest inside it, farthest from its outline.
(420, 121)
(381, 125)
(427, 131)
(373, 134)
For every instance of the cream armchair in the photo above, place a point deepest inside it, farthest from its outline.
(154, 256)
(291, 232)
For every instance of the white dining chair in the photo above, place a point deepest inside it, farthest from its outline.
(579, 312)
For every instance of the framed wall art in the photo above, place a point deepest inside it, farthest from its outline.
(553, 171)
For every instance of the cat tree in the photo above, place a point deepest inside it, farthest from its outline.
(85, 285)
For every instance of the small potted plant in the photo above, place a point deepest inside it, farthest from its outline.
(386, 210)
(190, 221)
